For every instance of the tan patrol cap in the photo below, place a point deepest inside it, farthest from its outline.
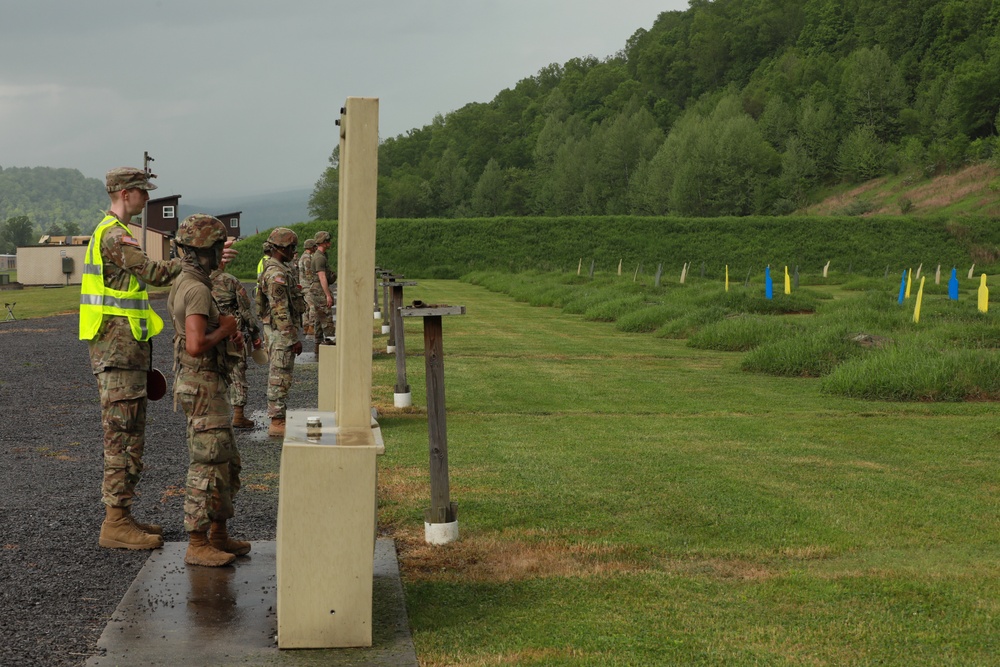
(127, 178)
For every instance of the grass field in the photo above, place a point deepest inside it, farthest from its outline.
(625, 499)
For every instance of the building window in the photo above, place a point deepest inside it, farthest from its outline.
(234, 222)
(168, 212)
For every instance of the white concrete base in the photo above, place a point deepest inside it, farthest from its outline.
(402, 400)
(378, 314)
(440, 533)
(385, 328)
(390, 349)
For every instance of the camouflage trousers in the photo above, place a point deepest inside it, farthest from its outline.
(213, 476)
(309, 316)
(238, 385)
(279, 376)
(323, 326)
(123, 418)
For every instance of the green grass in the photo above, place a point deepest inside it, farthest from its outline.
(33, 302)
(626, 499)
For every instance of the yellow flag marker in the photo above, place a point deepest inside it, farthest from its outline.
(579, 266)
(788, 282)
(619, 267)
(920, 298)
(727, 277)
(908, 281)
(984, 294)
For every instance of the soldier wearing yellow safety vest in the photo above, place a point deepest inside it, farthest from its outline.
(117, 322)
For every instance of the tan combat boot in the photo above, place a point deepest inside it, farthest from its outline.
(240, 420)
(316, 349)
(150, 528)
(219, 538)
(200, 552)
(277, 427)
(118, 532)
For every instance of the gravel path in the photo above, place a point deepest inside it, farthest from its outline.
(57, 587)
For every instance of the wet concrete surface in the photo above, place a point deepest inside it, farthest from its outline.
(177, 614)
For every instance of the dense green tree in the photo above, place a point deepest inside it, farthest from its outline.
(815, 90)
(874, 91)
(15, 232)
(488, 195)
(325, 198)
(862, 155)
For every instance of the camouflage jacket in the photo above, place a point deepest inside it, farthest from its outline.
(232, 297)
(279, 301)
(115, 346)
(306, 274)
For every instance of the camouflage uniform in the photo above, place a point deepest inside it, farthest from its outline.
(200, 386)
(279, 305)
(323, 324)
(232, 299)
(120, 363)
(306, 278)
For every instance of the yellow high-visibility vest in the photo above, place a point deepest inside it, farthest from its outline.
(98, 300)
(260, 266)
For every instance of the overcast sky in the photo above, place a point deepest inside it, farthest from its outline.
(239, 97)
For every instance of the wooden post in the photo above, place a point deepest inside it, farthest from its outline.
(441, 518)
(659, 272)
(402, 397)
(441, 510)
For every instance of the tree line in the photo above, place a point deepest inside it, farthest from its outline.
(731, 107)
(45, 200)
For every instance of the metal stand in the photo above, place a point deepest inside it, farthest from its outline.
(10, 311)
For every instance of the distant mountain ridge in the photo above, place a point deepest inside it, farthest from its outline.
(259, 212)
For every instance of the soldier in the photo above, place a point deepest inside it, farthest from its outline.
(280, 306)
(322, 291)
(232, 299)
(201, 365)
(306, 278)
(118, 325)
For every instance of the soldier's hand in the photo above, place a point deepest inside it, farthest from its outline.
(228, 254)
(329, 300)
(237, 338)
(297, 349)
(256, 343)
(228, 325)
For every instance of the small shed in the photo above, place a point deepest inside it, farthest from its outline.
(163, 213)
(232, 223)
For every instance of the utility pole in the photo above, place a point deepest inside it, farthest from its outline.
(146, 159)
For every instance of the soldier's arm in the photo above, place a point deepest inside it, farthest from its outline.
(123, 251)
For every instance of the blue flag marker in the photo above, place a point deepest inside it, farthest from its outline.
(902, 288)
(953, 285)
(768, 285)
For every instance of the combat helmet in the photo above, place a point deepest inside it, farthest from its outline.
(309, 243)
(322, 236)
(282, 237)
(200, 231)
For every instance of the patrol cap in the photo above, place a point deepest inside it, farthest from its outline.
(322, 237)
(127, 178)
(310, 243)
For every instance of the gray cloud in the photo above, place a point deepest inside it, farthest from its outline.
(237, 97)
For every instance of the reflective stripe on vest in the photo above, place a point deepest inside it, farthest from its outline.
(98, 300)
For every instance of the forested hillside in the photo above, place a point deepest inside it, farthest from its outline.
(732, 107)
(44, 200)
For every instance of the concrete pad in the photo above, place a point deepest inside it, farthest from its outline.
(177, 614)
